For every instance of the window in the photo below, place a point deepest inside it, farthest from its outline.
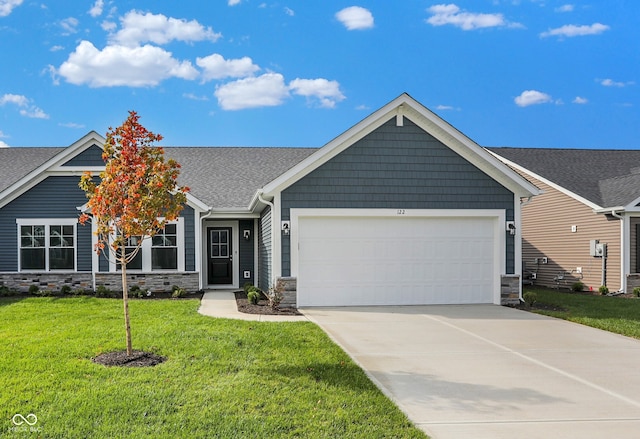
(163, 251)
(47, 244)
(164, 248)
(130, 247)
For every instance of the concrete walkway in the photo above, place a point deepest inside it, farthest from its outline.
(487, 372)
(223, 304)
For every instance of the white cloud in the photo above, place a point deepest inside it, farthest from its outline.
(71, 125)
(355, 18)
(194, 97)
(216, 67)
(565, 8)
(611, 83)
(96, 9)
(3, 145)
(327, 92)
(532, 97)
(290, 12)
(108, 26)
(7, 6)
(27, 109)
(123, 66)
(69, 25)
(56, 48)
(580, 100)
(156, 28)
(451, 14)
(571, 30)
(233, 2)
(19, 100)
(267, 90)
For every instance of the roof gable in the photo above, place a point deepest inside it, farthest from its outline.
(599, 178)
(400, 108)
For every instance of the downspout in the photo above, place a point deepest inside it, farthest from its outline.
(623, 259)
(273, 229)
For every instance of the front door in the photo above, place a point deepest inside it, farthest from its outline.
(219, 256)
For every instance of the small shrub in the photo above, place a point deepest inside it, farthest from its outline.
(603, 290)
(253, 296)
(530, 298)
(5, 291)
(65, 289)
(246, 287)
(136, 292)
(178, 293)
(577, 287)
(34, 289)
(636, 292)
(103, 291)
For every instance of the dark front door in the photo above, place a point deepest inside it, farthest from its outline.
(220, 256)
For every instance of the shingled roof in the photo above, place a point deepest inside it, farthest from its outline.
(220, 177)
(15, 163)
(607, 178)
(228, 177)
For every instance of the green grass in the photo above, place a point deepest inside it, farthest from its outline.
(223, 378)
(614, 314)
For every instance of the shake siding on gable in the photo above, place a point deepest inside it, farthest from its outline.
(91, 156)
(397, 168)
(546, 224)
(55, 197)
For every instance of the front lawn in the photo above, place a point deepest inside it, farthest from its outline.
(223, 378)
(614, 314)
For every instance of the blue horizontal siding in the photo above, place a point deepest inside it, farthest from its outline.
(397, 168)
(55, 197)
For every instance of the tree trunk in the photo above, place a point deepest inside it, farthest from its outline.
(125, 301)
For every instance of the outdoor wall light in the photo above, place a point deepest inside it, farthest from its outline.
(247, 234)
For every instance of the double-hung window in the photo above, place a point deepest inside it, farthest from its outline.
(47, 244)
(163, 251)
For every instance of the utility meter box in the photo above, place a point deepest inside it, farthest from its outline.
(597, 249)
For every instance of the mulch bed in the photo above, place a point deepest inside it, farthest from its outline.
(262, 307)
(136, 359)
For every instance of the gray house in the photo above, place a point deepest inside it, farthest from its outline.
(400, 209)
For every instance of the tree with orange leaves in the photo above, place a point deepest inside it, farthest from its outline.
(137, 195)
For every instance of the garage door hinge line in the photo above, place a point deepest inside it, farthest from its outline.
(540, 363)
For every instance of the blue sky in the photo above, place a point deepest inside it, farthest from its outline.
(534, 73)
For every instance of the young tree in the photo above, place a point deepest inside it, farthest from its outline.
(136, 196)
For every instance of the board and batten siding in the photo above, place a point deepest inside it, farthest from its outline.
(246, 252)
(54, 197)
(398, 168)
(547, 232)
(264, 250)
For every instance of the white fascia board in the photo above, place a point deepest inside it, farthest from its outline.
(50, 167)
(337, 145)
(429, 122)
(556, 186)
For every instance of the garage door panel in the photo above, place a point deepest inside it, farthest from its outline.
(390, 260)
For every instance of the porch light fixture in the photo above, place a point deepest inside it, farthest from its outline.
(246, 234)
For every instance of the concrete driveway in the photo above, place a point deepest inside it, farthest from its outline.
(485, 371)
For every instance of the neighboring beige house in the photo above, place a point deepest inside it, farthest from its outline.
(584, 225)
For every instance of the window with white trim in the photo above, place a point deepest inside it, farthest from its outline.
(47, 244)
(163, 251)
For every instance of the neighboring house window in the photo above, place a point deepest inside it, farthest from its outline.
(163, 251)
(47, 245)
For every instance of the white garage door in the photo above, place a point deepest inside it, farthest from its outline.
(347, 261)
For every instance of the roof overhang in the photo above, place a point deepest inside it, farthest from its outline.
(401, 107)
